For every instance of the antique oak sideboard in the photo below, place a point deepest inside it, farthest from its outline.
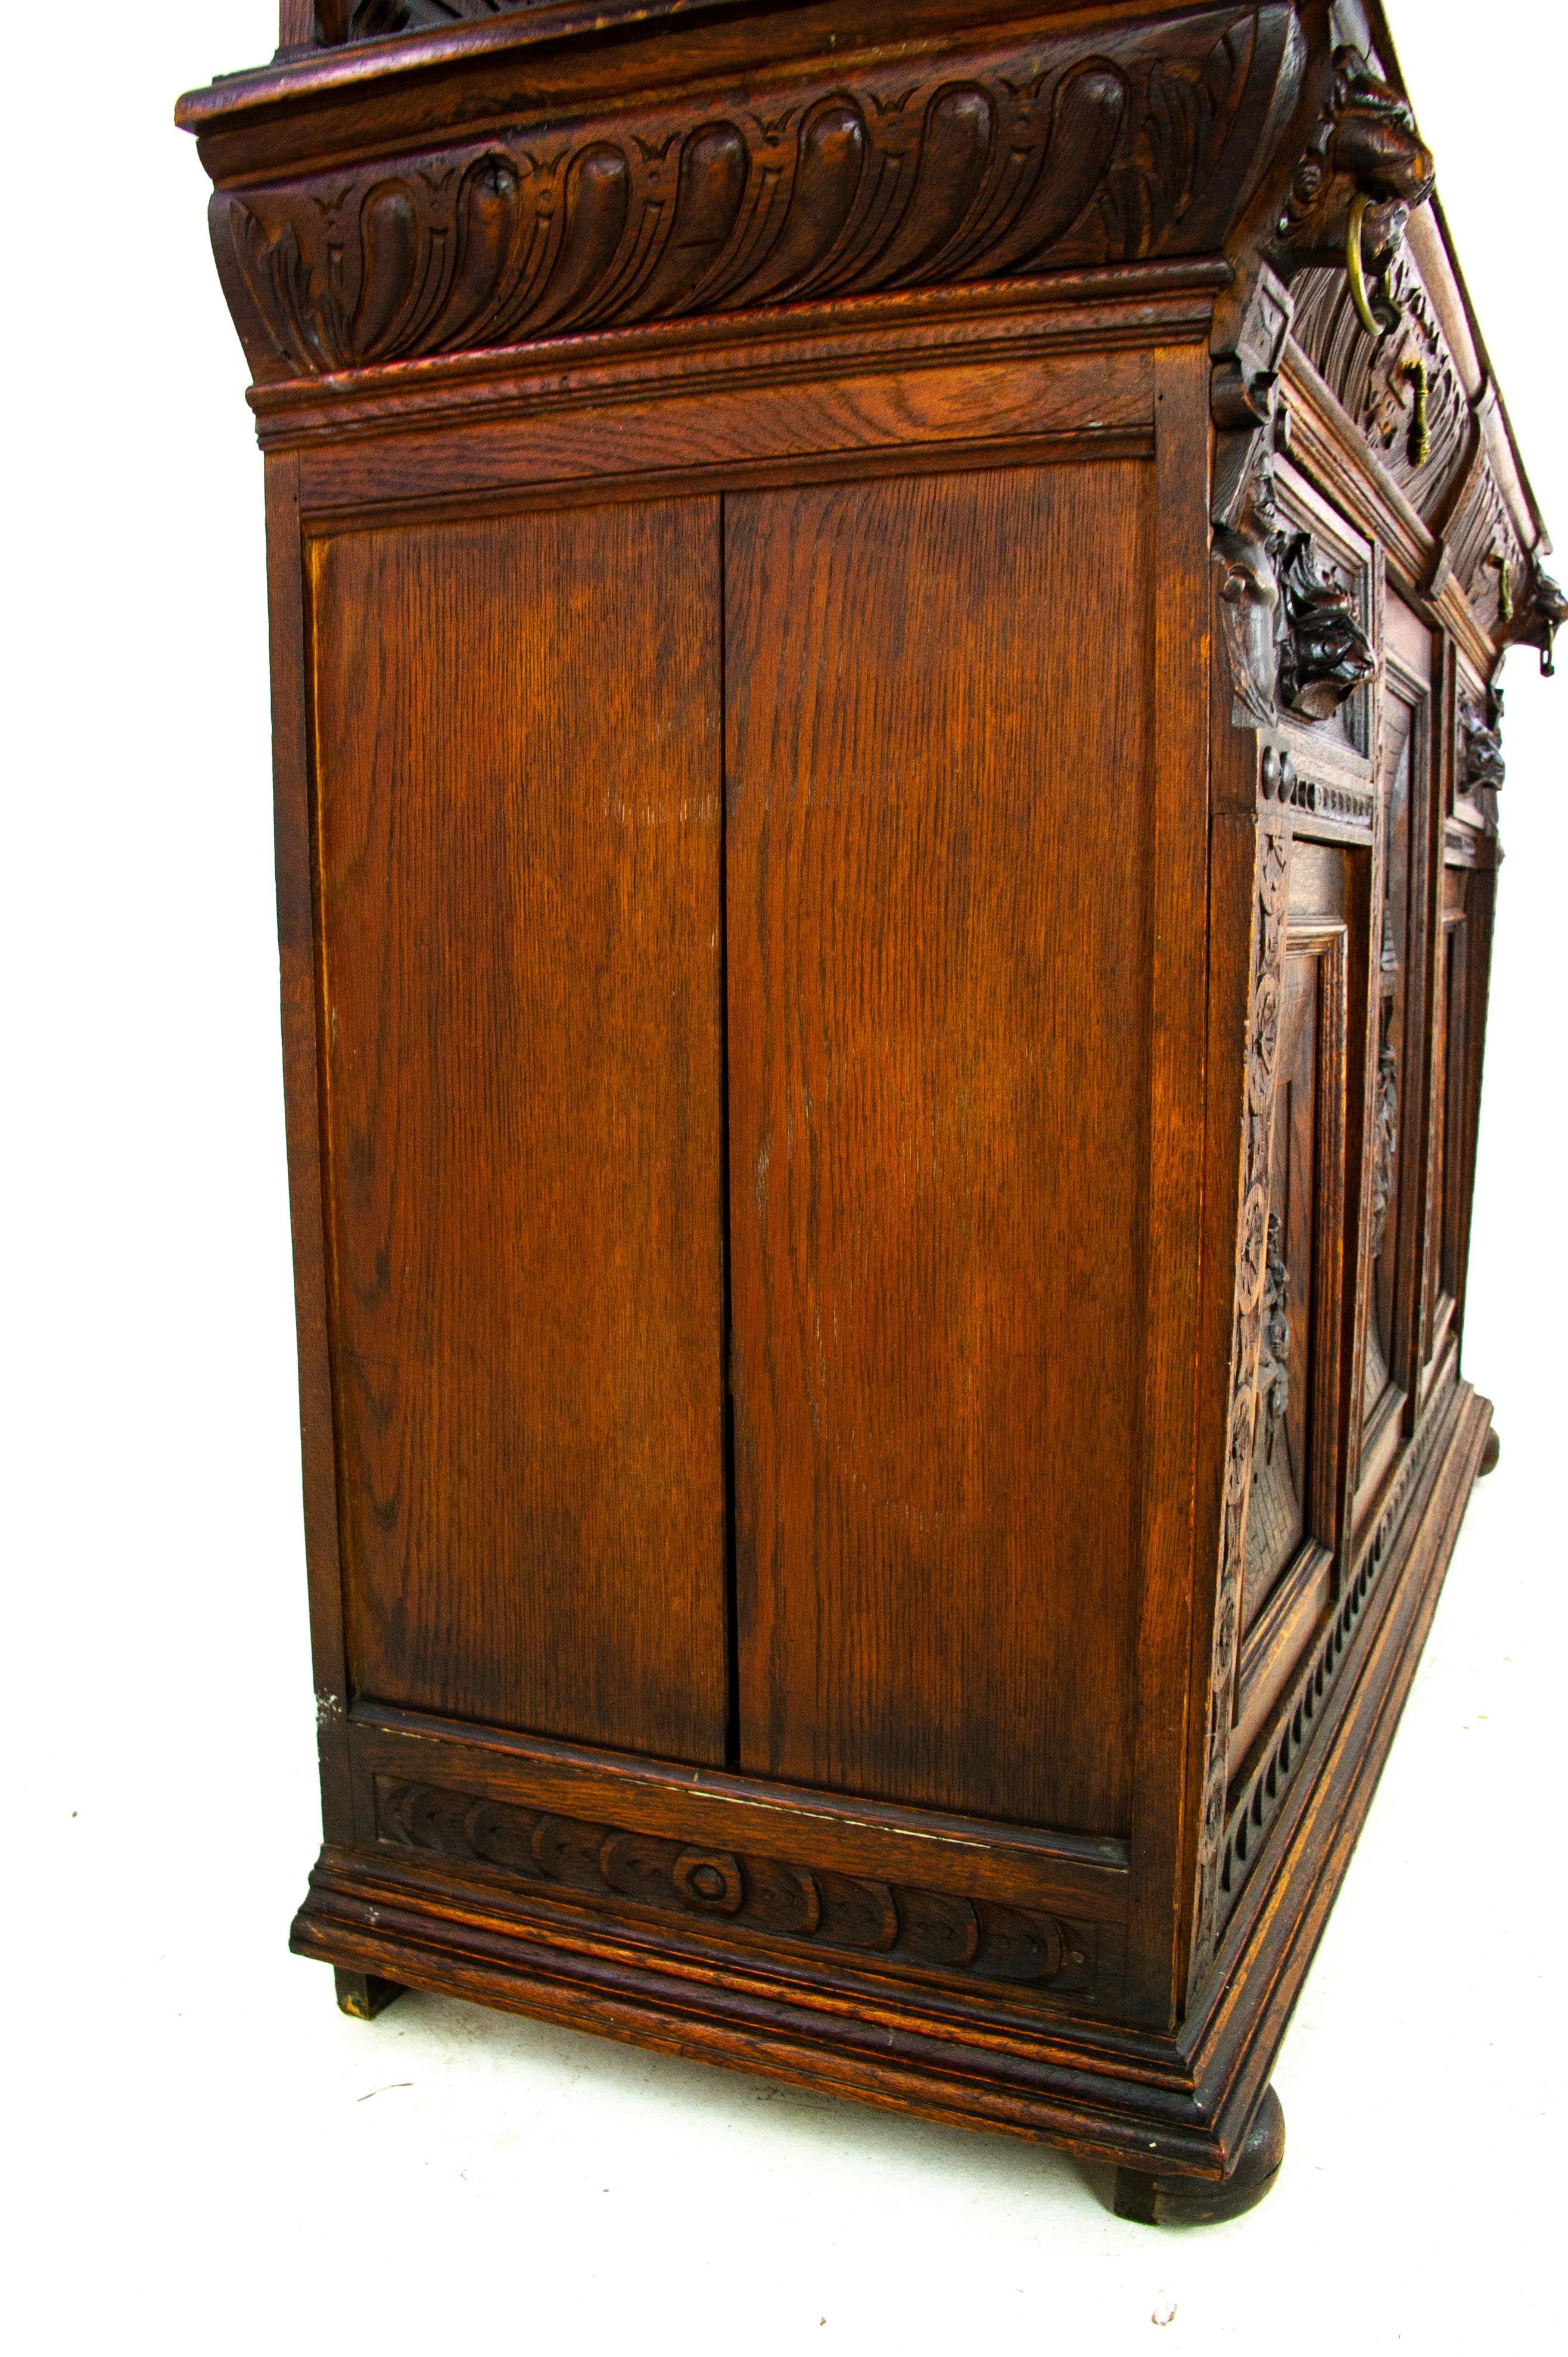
(886, 624)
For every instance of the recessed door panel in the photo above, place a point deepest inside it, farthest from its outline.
(518, 811)
(938, 747)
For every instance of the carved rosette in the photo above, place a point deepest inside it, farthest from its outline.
(1252, 1283)
(1133, 142)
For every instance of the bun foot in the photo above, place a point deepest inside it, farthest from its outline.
(1490, 1454)
(1197, 2201)
(363, 1995)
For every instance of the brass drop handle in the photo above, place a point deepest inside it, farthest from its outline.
(1418, 443)
(1376, 327)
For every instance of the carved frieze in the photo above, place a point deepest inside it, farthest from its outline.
(1127, 142)
(934, 1930)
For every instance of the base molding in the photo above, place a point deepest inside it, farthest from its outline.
(1183, 2106)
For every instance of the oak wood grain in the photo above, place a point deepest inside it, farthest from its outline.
(518, 763)
(937, 727)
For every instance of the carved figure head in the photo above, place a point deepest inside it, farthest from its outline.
(1364, 143)
(1481, 744)
(1324, 652)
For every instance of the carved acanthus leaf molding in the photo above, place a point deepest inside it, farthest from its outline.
(1131, 142)
(933, 1931)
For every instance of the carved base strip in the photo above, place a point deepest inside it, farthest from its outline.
(1181, 2104)
(569, 1858)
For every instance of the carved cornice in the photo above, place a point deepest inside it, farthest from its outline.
(1124, 143)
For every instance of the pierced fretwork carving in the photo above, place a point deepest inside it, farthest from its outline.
(935, 1930)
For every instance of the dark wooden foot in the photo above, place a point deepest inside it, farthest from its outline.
(1490, 1454)
(363, 1995)
(1195, 2201)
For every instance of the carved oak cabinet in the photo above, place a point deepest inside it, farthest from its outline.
(886, 622)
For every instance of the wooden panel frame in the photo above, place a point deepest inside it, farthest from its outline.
(319, 492)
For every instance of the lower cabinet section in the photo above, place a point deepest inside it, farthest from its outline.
(940, 1965)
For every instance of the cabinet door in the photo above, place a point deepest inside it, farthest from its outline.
(519, 816)
(937, 748)
(1293, 1512)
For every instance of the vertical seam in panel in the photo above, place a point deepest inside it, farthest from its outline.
(727, 1333)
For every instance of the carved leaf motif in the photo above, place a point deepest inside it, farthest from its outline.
(1065, 150)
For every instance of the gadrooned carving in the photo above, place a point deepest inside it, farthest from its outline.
(1133, 142)
(935, 1930)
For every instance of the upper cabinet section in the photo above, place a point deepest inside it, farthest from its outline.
(414, 185)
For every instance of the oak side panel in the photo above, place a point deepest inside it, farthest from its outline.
(518, 747)
(937, 745)
(297, 1006)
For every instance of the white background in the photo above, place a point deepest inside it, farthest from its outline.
(209, 2156)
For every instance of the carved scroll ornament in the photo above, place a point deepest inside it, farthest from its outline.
(1132, 142)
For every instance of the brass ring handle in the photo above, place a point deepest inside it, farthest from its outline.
(1357, 273)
